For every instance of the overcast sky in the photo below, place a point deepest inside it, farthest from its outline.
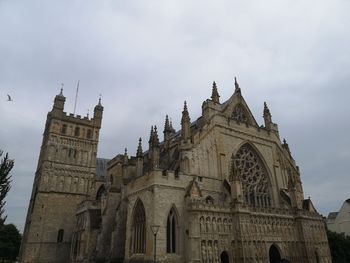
(147, 57)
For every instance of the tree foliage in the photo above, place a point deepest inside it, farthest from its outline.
(339, 245)
(10, 241)
(6, 166)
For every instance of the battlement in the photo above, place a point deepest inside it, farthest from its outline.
(70, 117)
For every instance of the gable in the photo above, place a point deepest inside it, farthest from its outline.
(236, 108)
(193, 190)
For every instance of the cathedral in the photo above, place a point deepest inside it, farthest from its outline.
(221, 189)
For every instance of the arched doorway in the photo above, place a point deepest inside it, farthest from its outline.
(274, 254)
(224, 257)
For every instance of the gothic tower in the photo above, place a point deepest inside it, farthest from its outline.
(64, 177)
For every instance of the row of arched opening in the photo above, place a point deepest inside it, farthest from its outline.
(139, 230)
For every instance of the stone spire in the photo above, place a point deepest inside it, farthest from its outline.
(155, 137)
(171, 127)
(185, 123)
(237, 88)
(154, 149)
(139, 152)
(215, 97)
(267, 117)
(150, 141)
(167, 131)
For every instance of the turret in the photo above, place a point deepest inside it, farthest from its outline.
(215, 97)
(185, 124)
(98, 110)
(58, 104)
(267, 117)
(139, 159)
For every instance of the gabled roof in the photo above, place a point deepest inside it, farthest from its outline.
(308, 205)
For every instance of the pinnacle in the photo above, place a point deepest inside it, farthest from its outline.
(266, 109)
(215, 95)
(237, 88)
(167, 124)
(139, 148)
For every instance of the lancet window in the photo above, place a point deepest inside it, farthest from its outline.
(249, 168)
(139, 228)
(171, 232)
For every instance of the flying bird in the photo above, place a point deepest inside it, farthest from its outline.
(9, 98)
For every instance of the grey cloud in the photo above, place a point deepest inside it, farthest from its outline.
(147, 57)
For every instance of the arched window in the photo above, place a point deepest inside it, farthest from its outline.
(64, 129)
(60, 236)
(101, 192)
(171, 232)
(209, 200)
(77, 131)
(139, 228)
(251, 171)
(89, 134)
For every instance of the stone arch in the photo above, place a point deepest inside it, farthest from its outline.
(101, 192)
(274, 254)
(250, 168)
(139, 228)
(224, 258)
(209, 200)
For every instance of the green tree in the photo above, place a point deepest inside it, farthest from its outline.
(339, 245)
(6, 166)
(10, 241)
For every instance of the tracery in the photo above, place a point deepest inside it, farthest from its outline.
(139, 228)
(239, 114)
(248, 166)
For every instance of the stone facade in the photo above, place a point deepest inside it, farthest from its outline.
(222, 189)
(64, 178)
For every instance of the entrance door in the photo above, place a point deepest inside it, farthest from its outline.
(224, 257)
(274, 254)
